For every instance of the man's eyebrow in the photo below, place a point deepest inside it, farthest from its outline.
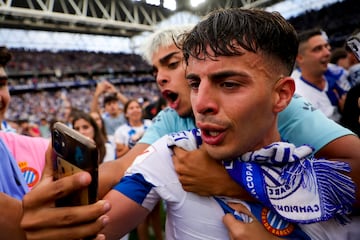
(227, 73)
(166, 58)
(191, 76)
(219, 75)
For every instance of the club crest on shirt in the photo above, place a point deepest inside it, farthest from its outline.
(275, 224)
(30, 174)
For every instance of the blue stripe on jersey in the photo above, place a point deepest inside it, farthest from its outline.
(273, 222)
(134, 187)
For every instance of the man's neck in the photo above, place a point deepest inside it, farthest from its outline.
(317, 80)
(135, 123)
(273, 136)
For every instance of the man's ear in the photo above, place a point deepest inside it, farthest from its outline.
(284, 91)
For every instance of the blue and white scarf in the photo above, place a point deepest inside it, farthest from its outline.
(286, 179)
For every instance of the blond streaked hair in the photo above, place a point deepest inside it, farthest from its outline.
(163, 37)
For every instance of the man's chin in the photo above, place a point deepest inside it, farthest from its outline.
(184, 114)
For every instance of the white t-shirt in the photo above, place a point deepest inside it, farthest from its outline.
(318, 98)
(152, 178)
(327, 99)
(125, 132)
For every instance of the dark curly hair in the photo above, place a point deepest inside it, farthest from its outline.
(254, 30)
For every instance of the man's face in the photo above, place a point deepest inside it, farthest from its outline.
(314, 55)
(134, 112)
(170, 77)
(112, 108)
(84, 127)
(232, 100)
(4, 93)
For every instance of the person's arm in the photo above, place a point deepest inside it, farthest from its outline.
(100, 89)
(240, 230)
(41, 220)
(122, 98)
(11, 211)
(345, 149)
(200, 174)
(124, 215)
(121, 149)
(111, 172)
(194, 167)
(110, 88)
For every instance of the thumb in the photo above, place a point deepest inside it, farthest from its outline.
(49, 166)
(179, 152)
(234, 226)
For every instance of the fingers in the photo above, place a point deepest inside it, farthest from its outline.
(100, 237)
(74, 232)
(179, 152)
(52, 190)
(233, 225)
(241, 208)
(178, 159)
(48, 169)
(238, 229)
(52, 217)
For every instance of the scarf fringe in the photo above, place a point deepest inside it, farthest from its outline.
(331, 185)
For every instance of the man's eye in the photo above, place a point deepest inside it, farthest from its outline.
(194, 84)
(229, 84)
(173, 65)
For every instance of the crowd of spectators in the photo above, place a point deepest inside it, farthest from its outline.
(338, 20)
(34, 106)
(38, 79)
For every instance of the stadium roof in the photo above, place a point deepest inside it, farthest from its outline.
(113, 18)
(124, 18)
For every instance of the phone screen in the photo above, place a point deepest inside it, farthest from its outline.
(354, 44)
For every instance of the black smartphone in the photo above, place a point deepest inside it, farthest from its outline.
(354, 44)
(72, 152)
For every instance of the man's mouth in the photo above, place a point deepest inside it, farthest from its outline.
(170, 96)
(211, 137)
(212, 133)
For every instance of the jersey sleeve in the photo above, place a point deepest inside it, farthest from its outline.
(300, 123)
(151, 177)
(166, 121)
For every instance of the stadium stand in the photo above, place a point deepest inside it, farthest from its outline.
(35, 76)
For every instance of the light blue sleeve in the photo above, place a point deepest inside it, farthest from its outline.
(300, 123)
(167, 121)
(12, 181)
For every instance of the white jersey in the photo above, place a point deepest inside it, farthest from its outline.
(318, 98)
(327, 99)
(125, 132)
(189, 216)
(354, 74)
(152, 178)
(110, 152)
(333, 230)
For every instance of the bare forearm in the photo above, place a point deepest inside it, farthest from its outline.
(94, 106)
(110, 173)
(229, 188)
(122, 98)
(200, 174)
(10, 217)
